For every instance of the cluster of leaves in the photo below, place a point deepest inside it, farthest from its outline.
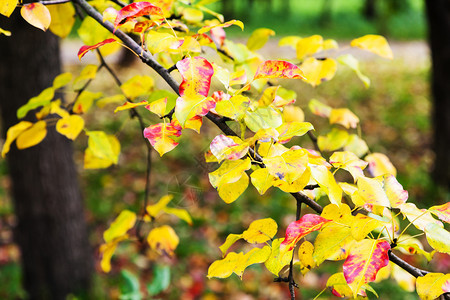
(361, 222)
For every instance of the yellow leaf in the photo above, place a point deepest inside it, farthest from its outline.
(296, 186)
(101, 146)
(438, 238)
(330, 44)
(405, 280)
(319, 109)
(318, 71)
(293, 114)
(229, 172)
(162, 42)
(379, 164)
(62, 79)
(225, 267)
(32, 136)
(137, 86)
(259, 38)
(288, 166)
(348, 161)
(231, 239)
(339, 286)
(260, 231)
(363, 225)
(13, 133)
(261, 180)
(275, 263)
(356, 145)
(233, 108)
(229, 192)
(88, 72)
(335, 139)
(91, 33)
(70, 126)
(7, 7)
(5, 32)
(42, 99)
(432, 285)
(154, 209)
(308, 46)
(254, 256)
(374, 43)
(344, 117)
(37, 15)
(63, 18)
(163, 239)
(180, 213)
(129, 105)
(192, 15)
(158, 106)
(93, 159)
(119, 227)
(290, 41)
(371, 192)
(107, 250)
(327, 183)
(305, 255)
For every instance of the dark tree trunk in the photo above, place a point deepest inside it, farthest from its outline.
(370, 10)
(51, 229)
(438, 15)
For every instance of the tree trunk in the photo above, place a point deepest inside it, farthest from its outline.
(438, 15)
(370, 10)
(51, 229)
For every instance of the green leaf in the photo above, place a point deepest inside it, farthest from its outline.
(161, 280)
(129, 287)
(42, 99)
(351, 62)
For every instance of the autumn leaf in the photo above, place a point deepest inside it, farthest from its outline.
(228, 147)
(298, 229)
(334, 140)
(305, 252)
(234, 107)
(365, 259)
(327, 183)
(259, 38)
(261, 180)
(32, 135)
(225, 267)
(12, 133)
(254, 256)
(161, 206)
(70, 126)
(351, 62)
(362, 225)
(135, 10)
(163, 239)
(260, 231)
(288, 166)
(161, 136)
(196, 73)
(374, 43)
(289, 130)
(85, 49)
(7, 7)
(371, 192)
(190, 106)
(102, 152)
(379, 164)
(319, 109)
(420, 218)
(205, 29)
(394, 190)
(120, 226)
(308, 46)
(441, 211)
(432, 285)
(344, 117)
(63, 18)
(137, 85)
(438, 237)
(231, 239)
(318, 71)
(277, 260)
(84, 101)
(129, 105)
(278, 69)
(37, 15)
(350, 162)
(230, 191)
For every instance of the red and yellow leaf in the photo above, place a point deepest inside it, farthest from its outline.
(37, 15)
(196, 73)
(379, 164)
(441, 211)
(85, 49)
(228, 147)
(161, 136)
(365, 259)
(129, 105)
(298, 229)
(278, 69)
(205, 29)
(394, 191)
(135, 10)
(190, 106)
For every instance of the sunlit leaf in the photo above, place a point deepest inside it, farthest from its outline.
(120, 226)
(268, 96)
(379, 164)
(37, 15)
(409, 245)
(350, 162)
(420, 218)
(277, 261)
(91, 33)
(374, 43)
(438, 237)
(234, 107)
(363, 225)
(228, 147)
(107, 250)
(330, 44)
(92, 161)
(12, 133)
(351, 62)
(116, 99)
(7, 7)
(189, 106)
(225, 267)
(32, 135)
(278, 69)
(259, 38)
(85, 101)
(339, 286)
(101, 146)
(394, 190)
(63, 18)
(293, 187)
(135, 10)
(319, 109)
(404, 279)
(288, 166)
(180, 213)
(333, 243)
(129, 105)
(298, 229)
(327, 183)
(85, 49)
(334, 140)
(136, 86)
(308, 46)
(70, 126)
(261, 180)
(5, 32)
(290, 41)
(230, 191)
(165, 5)
(61, 80)
(260, 231)
(254, 256)
(356, 145)
(344, 117)
(231, 239)
(371, 193)
(432, 285)
(163, 239)
(161, 136)
(229, 172)
(155, 209)
(293, 113)
(162, 42)
(441, 211)
(318, 71)
(223, 25)
(158, 107)
(365, 259)
(305, 252)
(262, 118)
(289, 130)
(42, 99)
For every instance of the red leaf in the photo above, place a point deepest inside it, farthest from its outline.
(160, 136)
(196, 73)
(85, 49)
(220, 95)
(135, 10)
(298, 229)
(278, 69)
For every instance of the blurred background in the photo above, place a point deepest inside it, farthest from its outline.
(396, 119)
